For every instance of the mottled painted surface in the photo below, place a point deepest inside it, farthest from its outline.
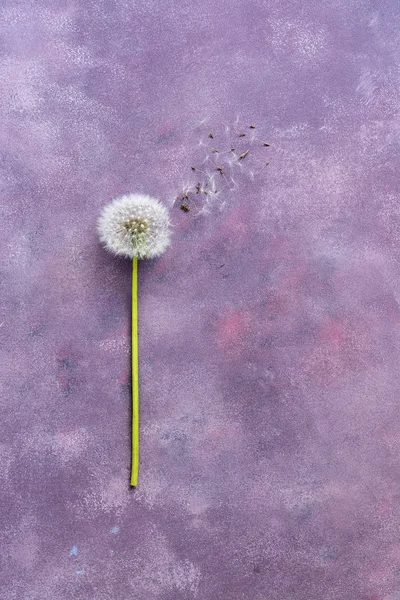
(270, 387)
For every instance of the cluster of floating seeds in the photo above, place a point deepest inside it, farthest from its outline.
(222, 159)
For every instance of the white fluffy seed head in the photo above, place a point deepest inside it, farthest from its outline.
(135, 225)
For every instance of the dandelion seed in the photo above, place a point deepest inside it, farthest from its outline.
(243, 155)
(266, 144)
(185, 208)
(252, 126)
(193, 168)
(211, 135)
(242, 134)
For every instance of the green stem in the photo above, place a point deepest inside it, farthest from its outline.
(135, 376)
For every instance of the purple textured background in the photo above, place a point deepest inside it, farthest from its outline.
(269, 386)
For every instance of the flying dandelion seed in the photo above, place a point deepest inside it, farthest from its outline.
(232, 154)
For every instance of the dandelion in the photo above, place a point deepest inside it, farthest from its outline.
(135, 226)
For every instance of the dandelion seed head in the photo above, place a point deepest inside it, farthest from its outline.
(135, 225)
